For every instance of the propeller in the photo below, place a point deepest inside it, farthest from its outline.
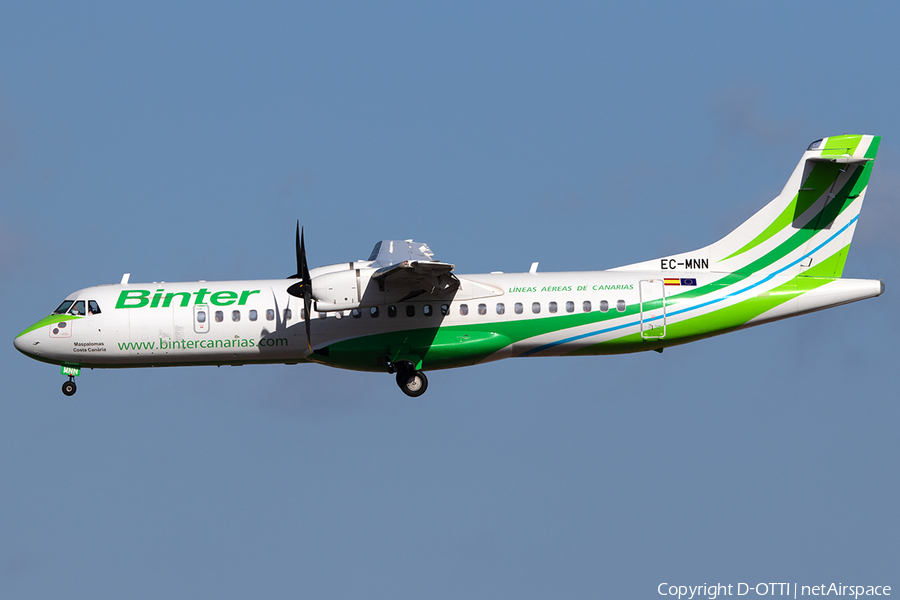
(303, 288)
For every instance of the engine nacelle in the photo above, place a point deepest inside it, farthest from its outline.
(336, 291)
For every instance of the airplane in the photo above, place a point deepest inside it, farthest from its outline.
(402, 312)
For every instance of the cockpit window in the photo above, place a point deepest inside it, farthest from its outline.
(93, 307)
(78, 308)
(64, 307)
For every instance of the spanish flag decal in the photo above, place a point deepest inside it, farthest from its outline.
(681, 281)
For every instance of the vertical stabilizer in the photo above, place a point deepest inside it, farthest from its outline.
(811, 223)
(806, 229)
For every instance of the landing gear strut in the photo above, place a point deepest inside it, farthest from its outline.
(68, 388)
(412, 383)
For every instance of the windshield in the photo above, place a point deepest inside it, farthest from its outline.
(62, 308)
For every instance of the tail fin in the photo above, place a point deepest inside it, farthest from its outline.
(814, 217)
(807, 228)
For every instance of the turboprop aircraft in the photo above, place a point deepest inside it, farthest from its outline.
(403, 312)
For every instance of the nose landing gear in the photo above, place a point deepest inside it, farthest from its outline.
(413, 383)
(69, 388)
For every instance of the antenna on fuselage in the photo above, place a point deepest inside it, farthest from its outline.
(125, 278)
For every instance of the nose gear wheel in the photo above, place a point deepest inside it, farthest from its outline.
(69, 388)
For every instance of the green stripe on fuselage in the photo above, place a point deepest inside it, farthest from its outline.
(832, 266)
(821, 177)
(716, 322)
(49, 321)
(456, 345)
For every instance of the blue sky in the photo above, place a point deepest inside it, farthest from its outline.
(182, 141)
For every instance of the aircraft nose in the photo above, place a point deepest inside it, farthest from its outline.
(24, 343)
(19, 342)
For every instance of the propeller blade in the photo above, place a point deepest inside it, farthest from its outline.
(298, 247)
(301, 259)
(303, 288)
(307, 302)
(298, 290)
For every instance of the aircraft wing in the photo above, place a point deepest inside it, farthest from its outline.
(408, 264)
(433, 278)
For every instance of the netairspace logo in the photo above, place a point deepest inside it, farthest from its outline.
(713, 591)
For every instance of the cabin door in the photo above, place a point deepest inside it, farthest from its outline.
(653, 309)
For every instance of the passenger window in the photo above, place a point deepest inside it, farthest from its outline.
(410, 310)
(463, 309)
(501, 308)
(426, 310)
(270, 314)
(374, 312)
(570, 306)
(93, 307)
(604, 306)
(482, 309)
(78, 308)
(536, 307)
(355, 313)
(620, 305)
(392, 311)
(586, 306)
(219, 316)
(552, 307)
(445, 309)
(62, 308)
(201, 316)
(252, 315)
(287, 314)
(235, 315)
(518, 308)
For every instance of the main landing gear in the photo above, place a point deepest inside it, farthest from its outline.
(69, 388)
(412, 383)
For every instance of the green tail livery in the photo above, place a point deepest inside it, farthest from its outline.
(404, 312)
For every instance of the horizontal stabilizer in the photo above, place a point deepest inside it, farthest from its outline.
(841, 160)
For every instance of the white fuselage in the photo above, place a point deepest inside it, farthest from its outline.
(257, 321)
